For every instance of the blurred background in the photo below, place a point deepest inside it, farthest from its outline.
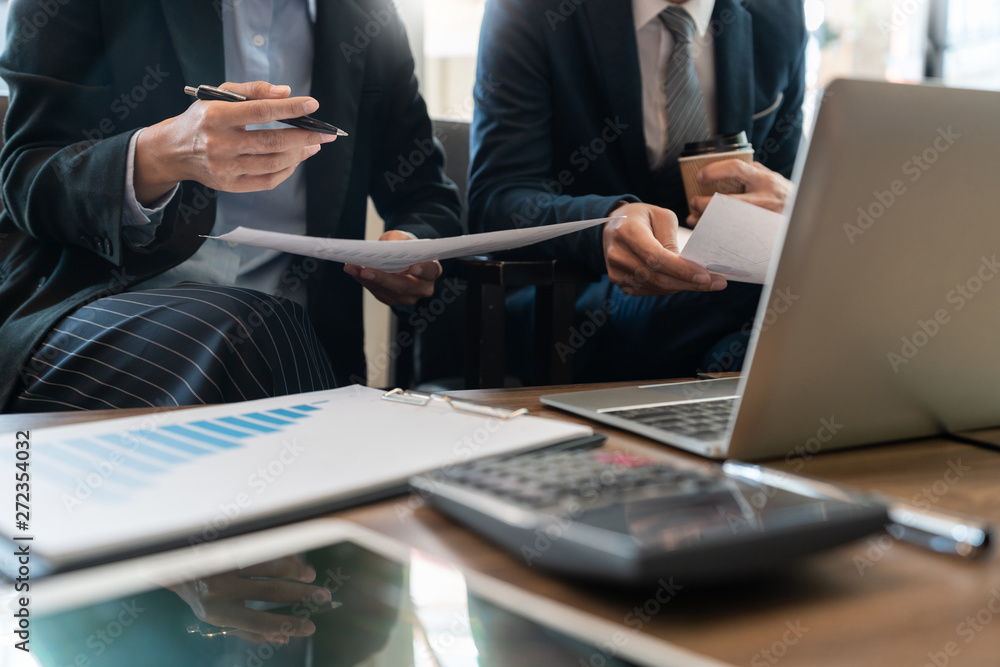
(957, 41)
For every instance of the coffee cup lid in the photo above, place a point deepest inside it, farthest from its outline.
(719, 144)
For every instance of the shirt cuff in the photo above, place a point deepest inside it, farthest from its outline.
(134, 212)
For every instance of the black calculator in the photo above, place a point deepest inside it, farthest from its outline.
(589, 511)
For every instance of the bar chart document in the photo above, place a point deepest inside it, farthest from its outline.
(104, 490)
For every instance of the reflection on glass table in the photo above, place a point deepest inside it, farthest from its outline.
(333, 605)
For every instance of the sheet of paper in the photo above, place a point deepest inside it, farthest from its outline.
(101, 488)
(734, 238)
(389, 256)
(683, 235)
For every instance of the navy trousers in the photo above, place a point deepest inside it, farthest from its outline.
(621, 337)
(185, 345)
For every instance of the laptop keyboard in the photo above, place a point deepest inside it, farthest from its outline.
(701, 420)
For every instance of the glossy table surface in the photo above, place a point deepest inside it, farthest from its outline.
(874, 602)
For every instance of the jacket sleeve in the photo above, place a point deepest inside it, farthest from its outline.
(63, 170)
(511, 184)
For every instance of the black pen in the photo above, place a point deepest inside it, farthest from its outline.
(305, 122)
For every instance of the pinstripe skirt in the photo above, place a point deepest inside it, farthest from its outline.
(185, 345)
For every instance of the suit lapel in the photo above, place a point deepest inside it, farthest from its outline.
(338, 76)
(734, 73)
(612, 29)
(195, 27)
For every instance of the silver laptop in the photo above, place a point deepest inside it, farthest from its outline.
(881, 318)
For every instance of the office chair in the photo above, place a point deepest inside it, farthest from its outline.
(487, 283)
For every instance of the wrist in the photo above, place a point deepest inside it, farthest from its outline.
(155, 172)
(620, 204)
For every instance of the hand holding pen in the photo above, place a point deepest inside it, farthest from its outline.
(209, 143)
(211, 93)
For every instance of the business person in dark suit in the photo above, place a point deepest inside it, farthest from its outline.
(111, 175)
(590, 106)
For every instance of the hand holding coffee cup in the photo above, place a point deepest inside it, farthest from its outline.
(697, 154)
(725, 165)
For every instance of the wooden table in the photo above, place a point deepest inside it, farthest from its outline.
(875, 602)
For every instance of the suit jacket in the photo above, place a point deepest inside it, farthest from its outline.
(96, 71)
(558, 129)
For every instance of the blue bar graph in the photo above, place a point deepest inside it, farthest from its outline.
(103, 452)
(61, 459)
(243, 423)
(157, 437)
(268, 419)
(133, 444)
(220, 429)
(131, 460)
(201, 437)
(287, 413)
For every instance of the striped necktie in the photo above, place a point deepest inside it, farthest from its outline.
(686, 117)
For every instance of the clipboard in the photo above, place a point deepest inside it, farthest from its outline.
(109, 490)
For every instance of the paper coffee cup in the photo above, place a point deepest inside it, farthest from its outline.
(690, 166)
(698, 154)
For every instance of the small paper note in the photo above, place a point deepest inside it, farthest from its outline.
(735, 239)
(398, 255)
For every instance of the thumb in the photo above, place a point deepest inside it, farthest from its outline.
(664, 224)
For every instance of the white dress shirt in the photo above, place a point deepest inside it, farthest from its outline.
(655, 43)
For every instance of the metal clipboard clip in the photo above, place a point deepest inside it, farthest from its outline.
(420, 398)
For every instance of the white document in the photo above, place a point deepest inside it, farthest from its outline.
(101, 489)
(396, 256)
(735, 239)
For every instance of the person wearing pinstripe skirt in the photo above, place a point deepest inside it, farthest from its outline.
(110, 296)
